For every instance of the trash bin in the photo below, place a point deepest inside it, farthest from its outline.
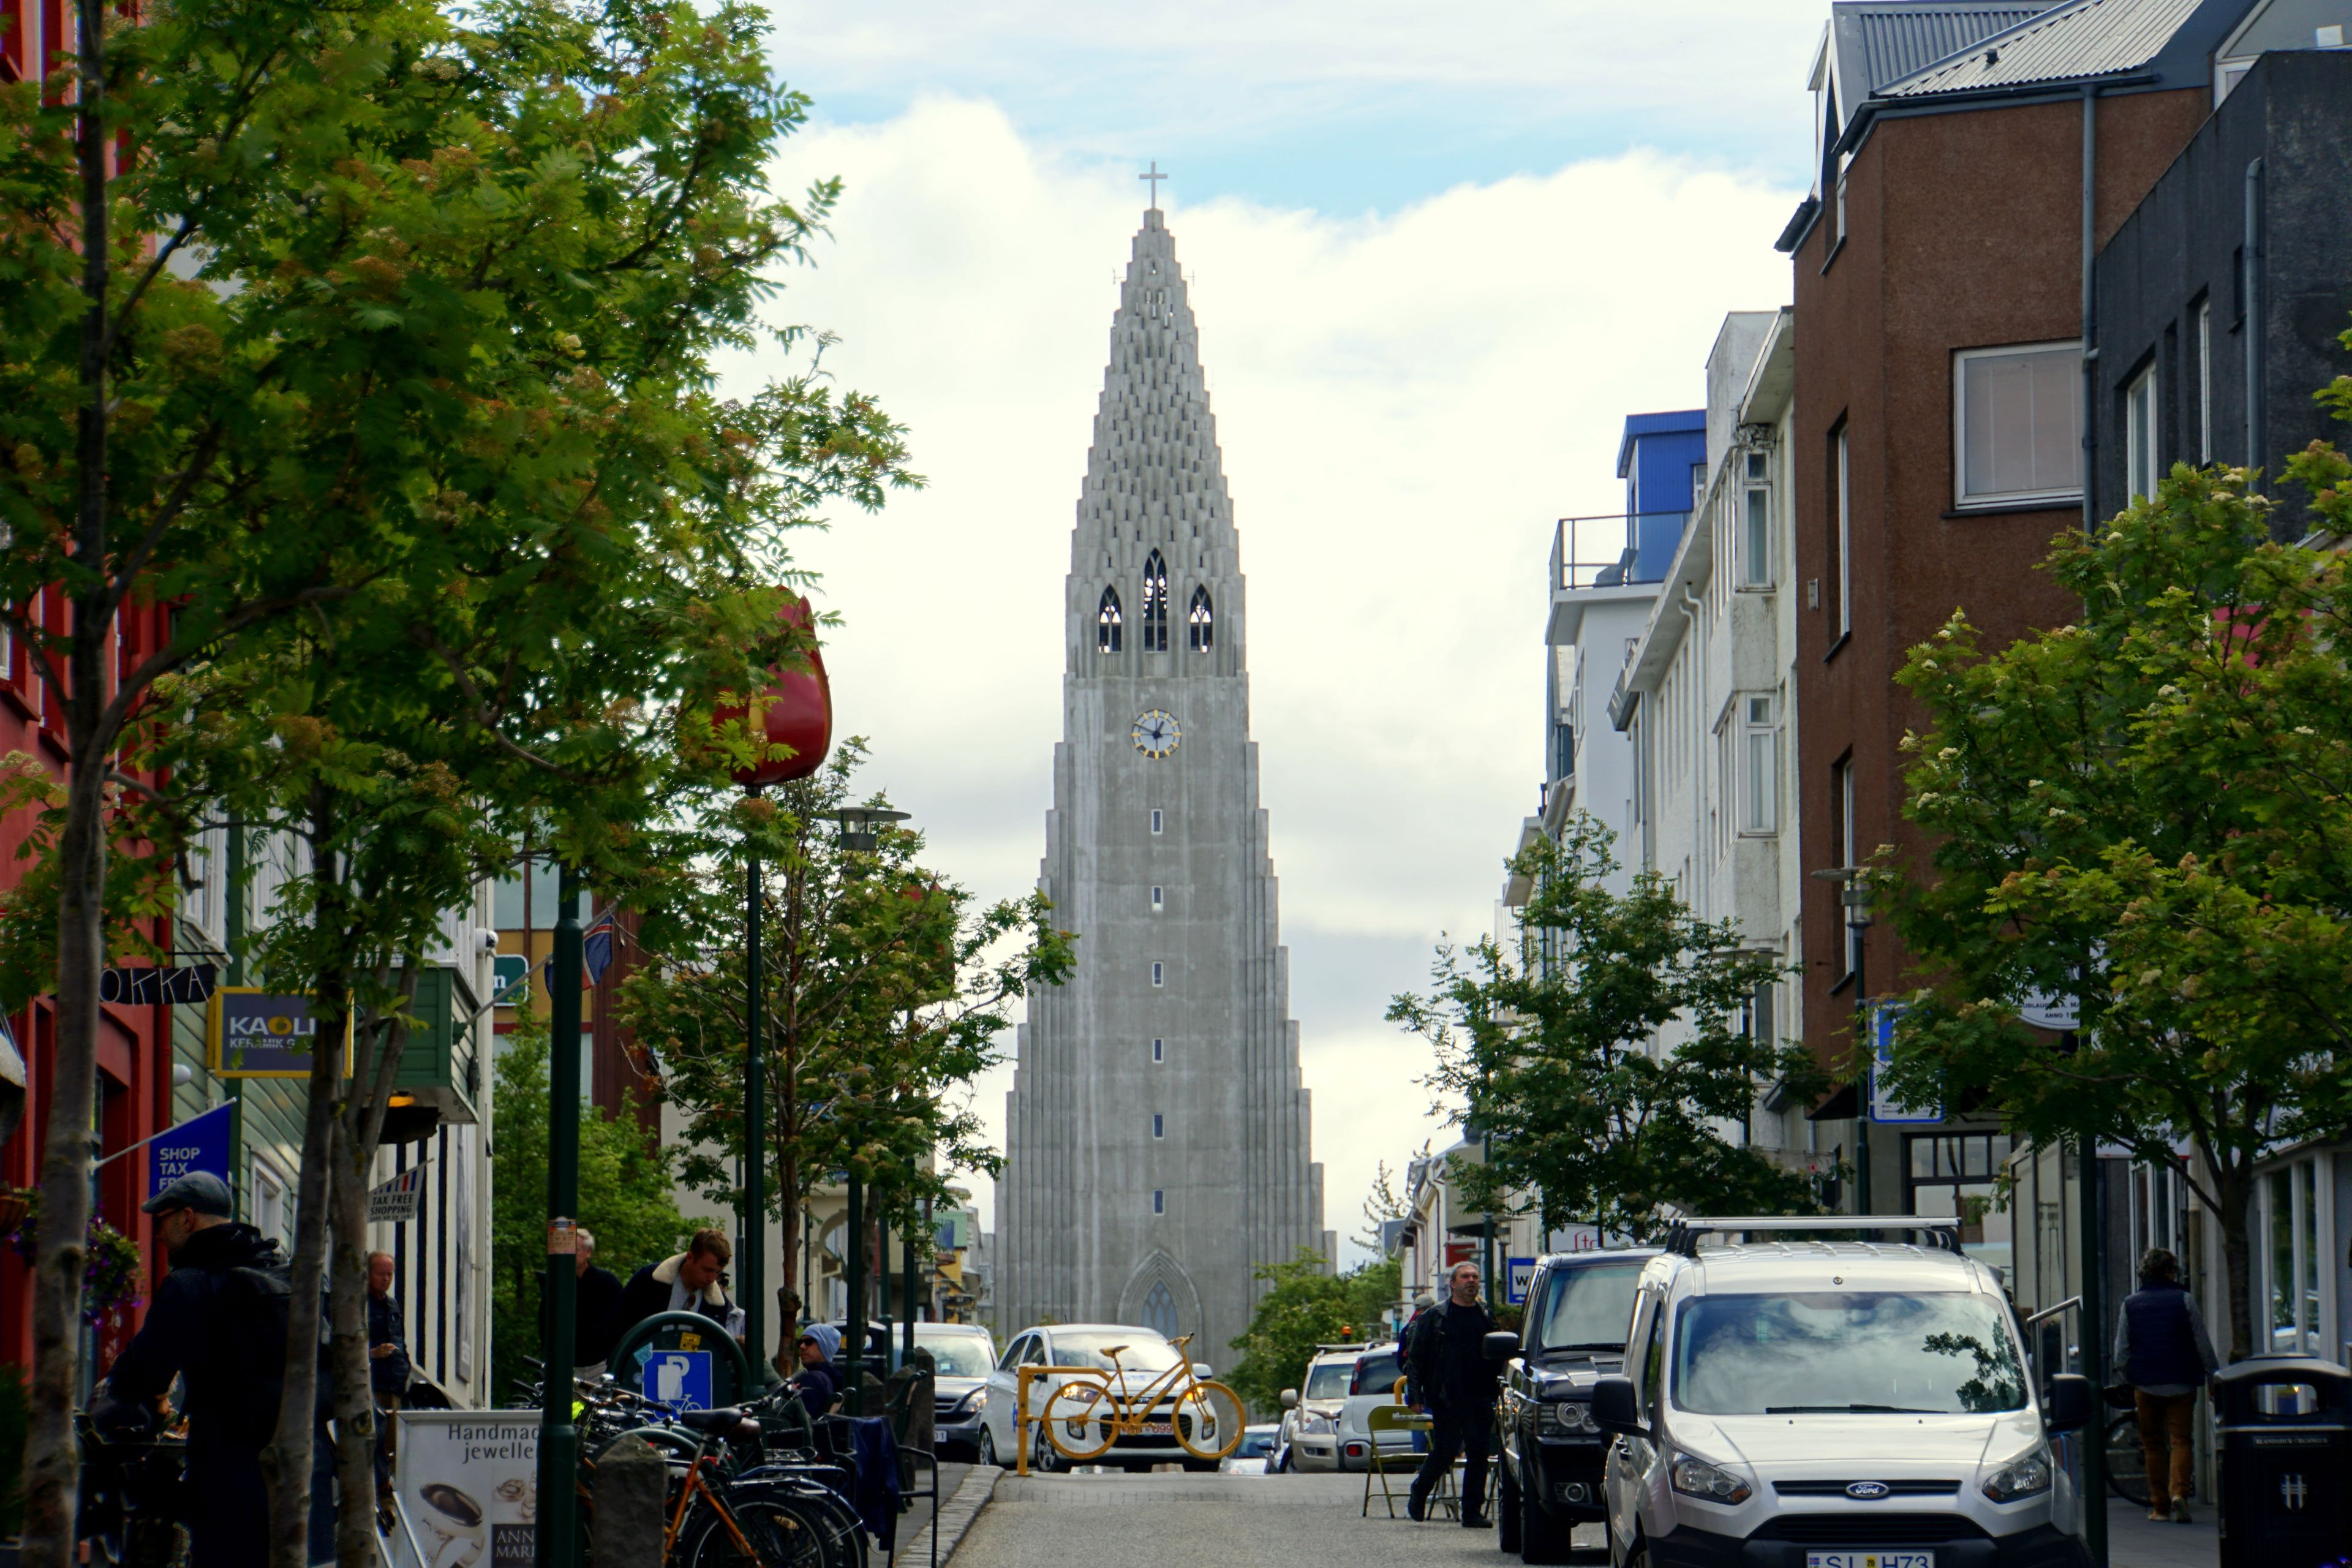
(2285, 1428)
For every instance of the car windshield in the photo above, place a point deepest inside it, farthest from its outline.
(1376, 1373)
(1328, 1381)
(957, 1355)
(1586, 1308)
(1141, 1349)
(1875, 1352)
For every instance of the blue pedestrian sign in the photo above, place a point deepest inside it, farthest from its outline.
(680, 1379)
(199, 1144)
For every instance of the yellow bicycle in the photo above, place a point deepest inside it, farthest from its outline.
(1086, 1415)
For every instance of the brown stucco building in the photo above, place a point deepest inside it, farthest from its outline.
(1937, 445)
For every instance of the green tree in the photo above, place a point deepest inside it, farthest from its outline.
(1554, 1048)
(886, 989)
(426, 457)
(2148, 811)
(1306, 1305)
(628, 1200)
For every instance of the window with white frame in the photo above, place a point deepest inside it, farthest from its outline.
(2294, 1298)
(2017, 417)
(2140, 464)
(1158, 899)
(2204, 380)
(1760, 757)
(1756, 524)
(1157, 821)
(269, 1216)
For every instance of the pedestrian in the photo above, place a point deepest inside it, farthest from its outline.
(596, 1298)
(388, 1370)
(818, 1380)
(218, 1319)
(683, 1282)
(2165, 1353)
(1453, 1379)
(1421, 1306)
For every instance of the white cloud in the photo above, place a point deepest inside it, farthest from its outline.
(1405, 404)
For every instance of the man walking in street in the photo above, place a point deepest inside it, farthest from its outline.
(684, 1282)
(388, 1369)
(2165, 1352)
(219, 1320)
(1451, 1376)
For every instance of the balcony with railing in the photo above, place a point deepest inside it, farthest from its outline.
(1617, 551)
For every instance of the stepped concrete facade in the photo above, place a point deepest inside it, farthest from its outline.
(1157, 1129)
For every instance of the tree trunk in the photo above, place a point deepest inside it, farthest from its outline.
(360, 1128)
(789, 1304)
(52, 1457)
(2235, 1187)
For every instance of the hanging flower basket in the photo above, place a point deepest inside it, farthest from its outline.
(111, 1278)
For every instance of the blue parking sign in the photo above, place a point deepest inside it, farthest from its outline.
(680, 1379)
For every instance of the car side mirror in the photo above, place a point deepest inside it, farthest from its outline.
(1290, 1399)
(2066, 1405)
(1615, 1408)
(1203, 1369)
(1501, 1345)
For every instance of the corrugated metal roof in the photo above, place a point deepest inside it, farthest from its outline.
(1886, 40)
(2084, 38)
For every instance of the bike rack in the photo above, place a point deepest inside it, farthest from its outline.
(1021, 1419)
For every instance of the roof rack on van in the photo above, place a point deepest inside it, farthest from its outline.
(1682, 1236)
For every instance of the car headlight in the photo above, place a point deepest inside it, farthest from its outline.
(2021, 1476)
(1562, 1416)
(973, 1402)
(1700, 1479)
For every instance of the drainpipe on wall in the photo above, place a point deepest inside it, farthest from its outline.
(2253, 323)
(2090, 321)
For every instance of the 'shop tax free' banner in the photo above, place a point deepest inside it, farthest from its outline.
(253, 1033)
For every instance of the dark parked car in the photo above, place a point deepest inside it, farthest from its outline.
(1579, 1306)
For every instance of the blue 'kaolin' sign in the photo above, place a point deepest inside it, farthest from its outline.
(255, 1032)
(199, 1144)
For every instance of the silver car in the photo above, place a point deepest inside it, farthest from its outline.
(1797, 1398)
(1310, 1439)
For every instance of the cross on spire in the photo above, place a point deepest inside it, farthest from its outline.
(1155, 176)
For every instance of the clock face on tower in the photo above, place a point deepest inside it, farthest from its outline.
(1155, 735)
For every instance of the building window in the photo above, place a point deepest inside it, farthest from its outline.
(2140, 468)
(1106, 622)
(1158, 899)
(1157, 822)
(2204, 381)
(1762, 757)
(1159, 1309)
(1158, 973)
(269, 1203)
(1842, 540)
(1755, 531)
(1159, 1050)
(2018, 423)
(1159, 1200)
(1200, 622)
(1954, 1174)
(1159, 1125)
(1155, 603)
(1842, 835)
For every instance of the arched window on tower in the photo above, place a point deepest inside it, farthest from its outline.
(1106, 622)
(1200, 622)
(1155, 603)
(1160, 1309)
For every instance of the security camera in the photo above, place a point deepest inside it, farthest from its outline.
(486, 938)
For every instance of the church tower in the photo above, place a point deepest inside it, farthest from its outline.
(1157, 1129)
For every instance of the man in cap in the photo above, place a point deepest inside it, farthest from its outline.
(211, 1324)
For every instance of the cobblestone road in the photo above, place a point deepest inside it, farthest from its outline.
(1234, 1522)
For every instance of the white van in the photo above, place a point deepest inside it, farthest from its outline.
(1798, 1395)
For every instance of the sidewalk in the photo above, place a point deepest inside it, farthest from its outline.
(2135, 1540)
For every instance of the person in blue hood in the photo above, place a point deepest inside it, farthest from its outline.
(818, 1382)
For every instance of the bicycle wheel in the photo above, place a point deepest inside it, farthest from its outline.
(2126, 1460)
(1081, 1419)
(756, 1530)
(1209, 1420)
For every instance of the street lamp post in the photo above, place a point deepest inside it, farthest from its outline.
(861, 834)
(794, 718)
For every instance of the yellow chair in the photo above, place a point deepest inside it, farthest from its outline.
(1378, 1461)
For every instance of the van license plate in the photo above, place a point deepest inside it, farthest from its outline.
(1870, 1560)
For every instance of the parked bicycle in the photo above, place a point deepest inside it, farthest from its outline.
(1091, 1410)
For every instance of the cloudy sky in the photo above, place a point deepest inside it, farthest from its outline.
(1437, 254)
